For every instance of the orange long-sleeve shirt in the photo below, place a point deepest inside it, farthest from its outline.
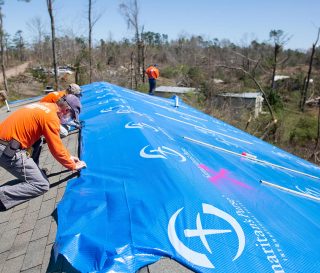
(53, 96)
(152, 72)
(29, 123)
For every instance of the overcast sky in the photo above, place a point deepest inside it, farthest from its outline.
(240, 21)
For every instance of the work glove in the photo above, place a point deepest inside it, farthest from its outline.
(79, 163)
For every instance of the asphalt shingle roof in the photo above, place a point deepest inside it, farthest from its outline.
(28, 231)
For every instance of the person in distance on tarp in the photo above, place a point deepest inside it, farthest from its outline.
(18, 132)
(153, 74)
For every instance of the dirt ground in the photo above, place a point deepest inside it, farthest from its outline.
(22, 84)
(14, 71)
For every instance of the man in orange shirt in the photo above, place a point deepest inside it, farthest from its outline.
(65, 122)
(53, 97)
(18, 132)
(153, 74)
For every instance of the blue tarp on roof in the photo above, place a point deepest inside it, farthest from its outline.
(171, 181)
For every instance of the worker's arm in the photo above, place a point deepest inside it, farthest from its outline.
(51, 133)
(157, 73)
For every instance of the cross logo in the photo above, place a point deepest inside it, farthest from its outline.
(197, 258)
(202, 233)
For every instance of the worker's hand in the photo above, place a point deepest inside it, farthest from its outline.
(74, 159)
(80, 165)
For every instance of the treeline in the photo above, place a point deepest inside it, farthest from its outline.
(191, 60)
(210, 65)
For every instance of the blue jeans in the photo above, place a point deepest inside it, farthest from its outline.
(152, 86)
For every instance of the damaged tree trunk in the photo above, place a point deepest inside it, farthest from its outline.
(90, 42)
(130, 11)
(131, 69)
(53, 42)
(274, 65)
(316, 147)
(3, 68)
(304, 92)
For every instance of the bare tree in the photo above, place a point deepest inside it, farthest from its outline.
(92, 22)
(90, 41)
(279, 39)
(315, 153)
(131, 70)
(130, 11)
(3, 68)
(20, 45)
(36, 26)
(2, 48)
(307, 79)
(6, 42)
(53, 43)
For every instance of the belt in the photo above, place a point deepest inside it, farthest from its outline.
(3, 142)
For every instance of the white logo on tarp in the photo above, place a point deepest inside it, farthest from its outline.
(105, 95)
(107, 101)
(111, 109)
(103, 102)
(129, 110)
(311, 191)
(197, 258)
(160, 152)
(139, 125)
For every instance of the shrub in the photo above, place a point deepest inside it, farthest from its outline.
(195, 75)
(275, 100)
(169, 72)
(305, 130)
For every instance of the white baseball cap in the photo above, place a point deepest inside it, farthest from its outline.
(74, 89)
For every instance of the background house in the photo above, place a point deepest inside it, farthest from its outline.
(239, 102)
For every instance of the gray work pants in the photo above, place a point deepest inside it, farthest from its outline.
(33, 181)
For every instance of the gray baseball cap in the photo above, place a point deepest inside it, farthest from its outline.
(75, 104)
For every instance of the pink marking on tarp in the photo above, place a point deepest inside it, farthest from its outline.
(222, 176)
(241, 184)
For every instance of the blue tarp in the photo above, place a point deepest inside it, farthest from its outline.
(171, 181)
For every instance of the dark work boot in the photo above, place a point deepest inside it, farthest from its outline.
(45, 171)
(2, 207)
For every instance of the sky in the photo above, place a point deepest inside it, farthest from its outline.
(239, 21)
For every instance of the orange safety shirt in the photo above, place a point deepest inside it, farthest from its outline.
(152, 72)
(53, 96)
(29, 123)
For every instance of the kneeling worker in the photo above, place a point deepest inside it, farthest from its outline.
(18, 132)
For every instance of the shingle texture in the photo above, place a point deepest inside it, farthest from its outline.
(27, 231)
